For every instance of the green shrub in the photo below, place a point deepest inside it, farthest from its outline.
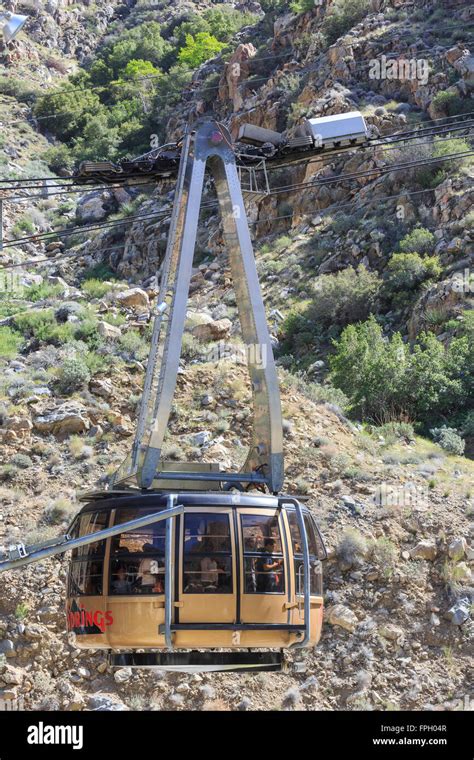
(450, 104)
(133, 346)
(301, 6)
(342, 16)
(406, 271)
(95, 288)
(468, 423)
(23, 461)
(8, 473)
(418, 240)
(383, 380)
(449, 440)
(98, 272)
(10, 343)
(199, 48)
(59, 158)
(72, 376)
(43, 291)
(41, 324)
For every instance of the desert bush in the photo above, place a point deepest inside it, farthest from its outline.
(72, 376)
(419, 240)
(42, 325)
(23, 461)
(342, 16)
(449, 440)
(10, 343)
(95, 288)
(59, 511)
(133, 346)
(384, 555)
(406, 271)
(352, 547)
(383, 379)
(450, 104)
(8, 473)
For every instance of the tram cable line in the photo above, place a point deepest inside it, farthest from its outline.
(376, 172)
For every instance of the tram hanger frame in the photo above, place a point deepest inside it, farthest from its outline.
(209, 146)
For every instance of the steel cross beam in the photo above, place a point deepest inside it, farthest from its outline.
(209, 147)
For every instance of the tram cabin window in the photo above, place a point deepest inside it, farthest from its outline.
(137, 558)
(87, 562)
(207, 554)
(264, 571)
(317, 552)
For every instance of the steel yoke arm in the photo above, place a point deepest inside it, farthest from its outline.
(210, 145)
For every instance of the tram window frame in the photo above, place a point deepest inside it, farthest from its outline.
(88, 556)
(139, 564)
(252, 555)
(317, 551)
(190, 554)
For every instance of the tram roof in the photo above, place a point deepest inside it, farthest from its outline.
(134, 498)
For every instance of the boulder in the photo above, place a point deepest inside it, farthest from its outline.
(101, 387)
(425, 550)
(213, 330)
(135, 299)
(342, 616)
(107, 331)
(459, 612)
(457, 548)
(62, 421)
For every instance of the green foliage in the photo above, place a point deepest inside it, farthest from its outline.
(449, 440)
(43, 291)
(199, 48)
(143, 42)
(41, 324)
(137, 67)
(23, 461)
(98, 272)
(468, 424)
(95, 288)
(59, 157)
(72, 376)
(342, 16)
(21, 611)
(133, 346)
(222, 23)
(448, 103)
(369, 369)
(300, 6)
(406, 271)
(418, 240)
(10, 343)
(385, 381)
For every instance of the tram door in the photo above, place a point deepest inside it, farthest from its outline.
(206, 580)
(317, 552)
(264, 578)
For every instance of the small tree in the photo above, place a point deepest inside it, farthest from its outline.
(199, 49)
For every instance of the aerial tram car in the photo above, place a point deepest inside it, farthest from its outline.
(184, 566)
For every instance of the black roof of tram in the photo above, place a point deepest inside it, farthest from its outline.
(119, 499)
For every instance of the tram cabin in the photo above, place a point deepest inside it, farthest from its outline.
(236, 573)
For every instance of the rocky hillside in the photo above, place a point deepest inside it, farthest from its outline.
(368, 287)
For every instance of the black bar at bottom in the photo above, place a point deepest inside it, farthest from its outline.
(240, 661)
(233, 627)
